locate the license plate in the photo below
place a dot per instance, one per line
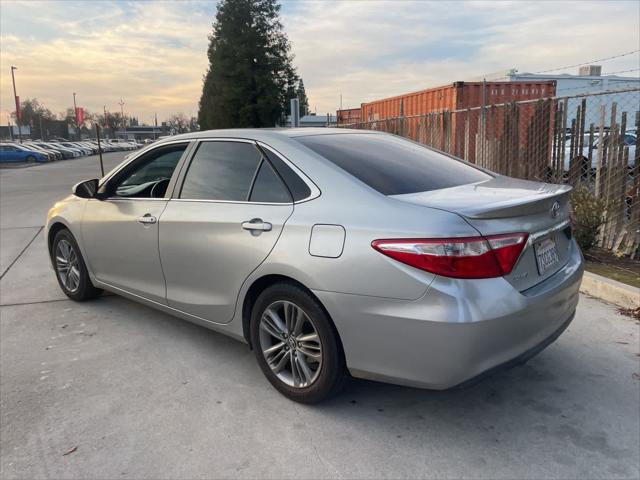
(546, 254)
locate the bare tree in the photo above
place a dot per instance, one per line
(178, 123)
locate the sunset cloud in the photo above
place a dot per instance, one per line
(153, 54)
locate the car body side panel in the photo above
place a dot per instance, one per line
(360, 269)
(68, 212)
(206, 254)
(121, 251)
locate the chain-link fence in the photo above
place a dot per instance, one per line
(589, 141)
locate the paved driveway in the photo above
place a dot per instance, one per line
(140, 394)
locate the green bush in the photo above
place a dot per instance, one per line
(586, 215)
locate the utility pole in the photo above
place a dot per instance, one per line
(124, 122)
(15, 97)
(295, 113)
(75, 112)
(9, 125)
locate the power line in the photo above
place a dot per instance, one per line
(621, 71)
(590, 62)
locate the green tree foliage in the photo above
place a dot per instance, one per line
(32, 111)
(250, 77)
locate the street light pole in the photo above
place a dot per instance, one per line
(75, 112)
(124, 122)
(15, 97)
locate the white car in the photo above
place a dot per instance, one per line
(629, 142)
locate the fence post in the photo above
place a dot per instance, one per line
(600, 152)
(99, 148)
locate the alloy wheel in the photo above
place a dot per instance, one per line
(290, 344)
(67, 266)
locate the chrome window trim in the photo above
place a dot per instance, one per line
(315, 190)
(196, 200)
(185, 155)
(131, 199)
(138, 154)
(183, 176)
(192, 146)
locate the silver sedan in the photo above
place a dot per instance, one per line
(331, 252)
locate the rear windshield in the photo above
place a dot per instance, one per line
(392, 165)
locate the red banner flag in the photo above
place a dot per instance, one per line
(80, 115)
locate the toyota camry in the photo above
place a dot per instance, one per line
(330, 252)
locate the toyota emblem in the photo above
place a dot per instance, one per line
(555, 210)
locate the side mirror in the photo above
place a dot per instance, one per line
(86, 189)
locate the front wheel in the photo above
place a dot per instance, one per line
(70, 268)
(296, 344)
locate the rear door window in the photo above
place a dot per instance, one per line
(392, 165)
(221, 171)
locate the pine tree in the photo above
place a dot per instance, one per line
(250, 67)
(302, 98)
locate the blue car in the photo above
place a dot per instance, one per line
(14, 153)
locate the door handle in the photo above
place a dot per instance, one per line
(147, 219)
(257, 225)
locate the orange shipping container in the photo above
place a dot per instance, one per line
(457, 96)
(348, 115)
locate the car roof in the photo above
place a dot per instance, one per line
(264, 134)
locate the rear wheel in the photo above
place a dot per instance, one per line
(296, 345)
(70, 268)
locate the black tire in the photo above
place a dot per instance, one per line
(333, 374)
(85, 289)
(31, 159)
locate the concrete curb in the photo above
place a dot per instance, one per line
(610, 291)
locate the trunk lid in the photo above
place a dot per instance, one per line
(507, 205)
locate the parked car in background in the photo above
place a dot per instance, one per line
(329, 251)
(31, 148)
(66, 152)
(84, 150)
(11, 153)
(92, 149)
(52, 154)
(629, 142)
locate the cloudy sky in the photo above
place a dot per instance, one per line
(153, 54)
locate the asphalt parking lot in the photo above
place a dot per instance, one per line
(127, 392)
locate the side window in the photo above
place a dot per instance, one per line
(298, 188)
(150, 176)
(221, 171)
(268, 188)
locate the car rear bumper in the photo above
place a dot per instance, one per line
(458, 330)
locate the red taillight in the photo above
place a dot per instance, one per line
(469, 257)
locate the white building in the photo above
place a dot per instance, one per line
(314, 120)
(589, 81)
